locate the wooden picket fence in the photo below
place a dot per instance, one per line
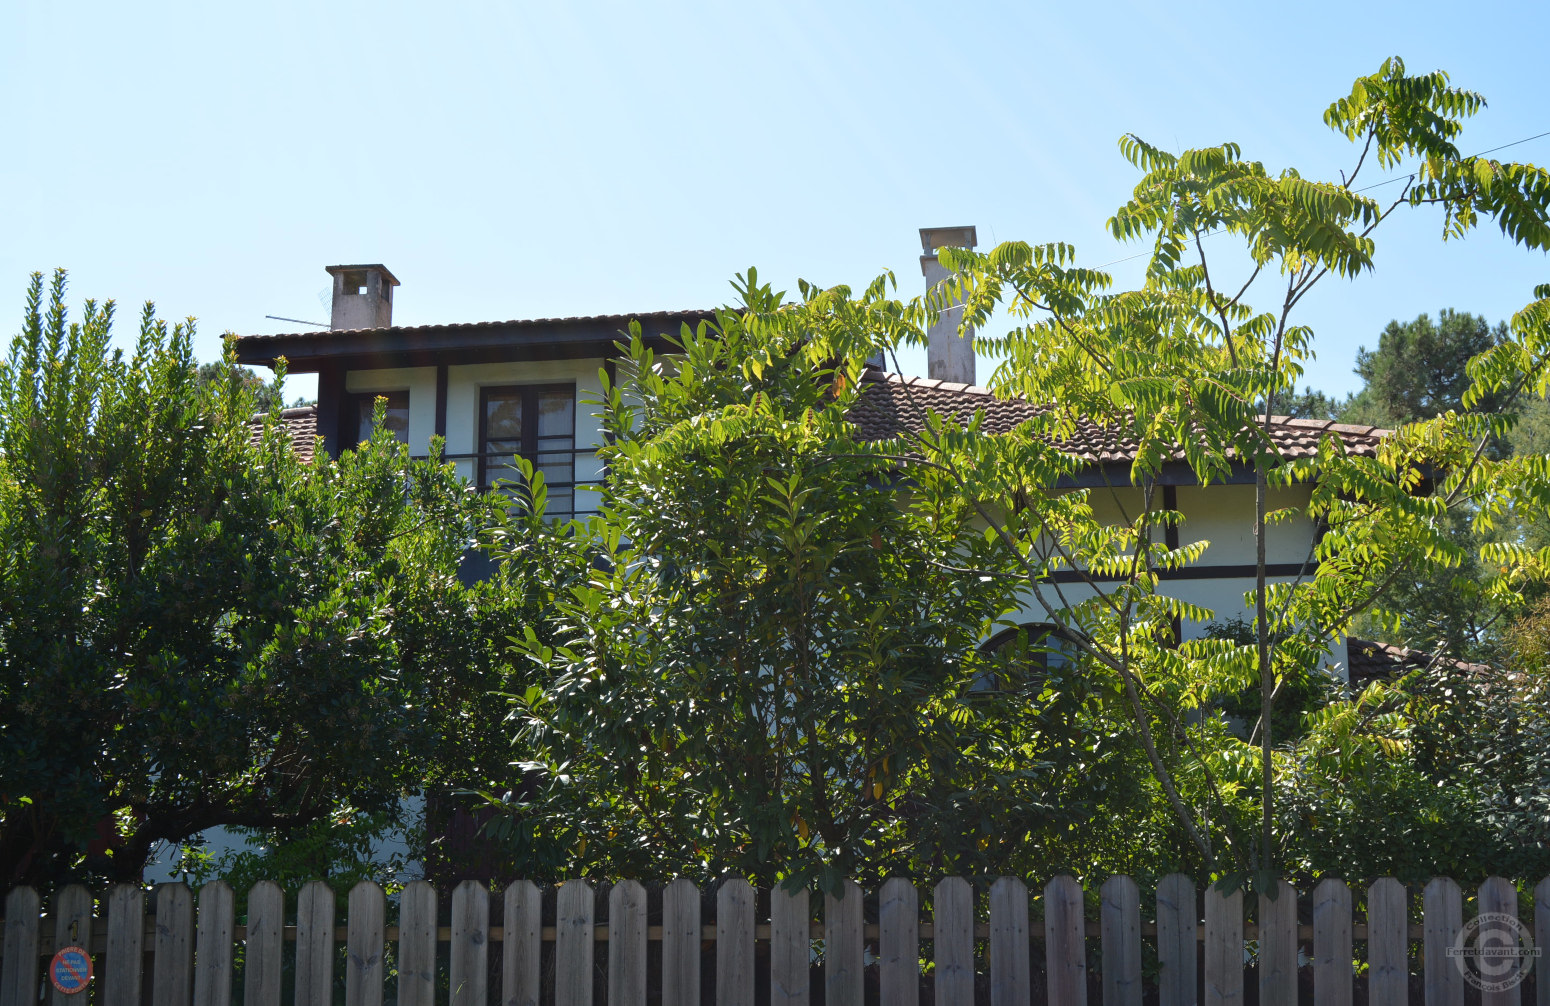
(1200, 940)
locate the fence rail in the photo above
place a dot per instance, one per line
(573, 947)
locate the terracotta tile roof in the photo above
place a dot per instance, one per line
(301, 426)
(1371, 661)
(892, 405)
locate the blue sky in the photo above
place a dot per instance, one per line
(518, 159)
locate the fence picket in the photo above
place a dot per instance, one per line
(1224, 947)
(898, 942)
(469, 970)
(1388, 944)
(791, 914)
(1176, 944)
(952, 941)
(1065, 944)
(417, 945)
(1121, 935)
(1442, 911)
(72, 911)
(126, 931)
(627, 944)
(1278, 947)
(1009, 968)
(1497, 895)
(19, 969)
(574, 929)
(843, 949)
(522, 949)
(315, 945)
(365, 942)
(734, 943)
(1542, 939)
(213, 945)
(194, 955)
(172, 981)
(1332, 975)
(681, 943)
(261, 959)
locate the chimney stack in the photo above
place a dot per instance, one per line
(363, 297)
(948, 357)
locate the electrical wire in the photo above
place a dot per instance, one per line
(1374, 185)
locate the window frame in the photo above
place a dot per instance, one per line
(1039, 652)
(530, 394)
(355, 399)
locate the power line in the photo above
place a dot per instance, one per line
(1374, 185)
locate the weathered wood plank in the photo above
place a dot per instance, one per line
(898, 942)
(734, 943)
(417, 945)
(315, 945)
(952, 941)
(213, 945)
(1332, 974)
(172, 979)
(1278, 946)
(627, 944)
(19, 975)
(469, 968)
(1065, 944)
(1224, 948)
(72, 913)
(1388, 944)
(121, 964)
(791, 945)
(1498, 896)
(1010, 983)
(365, 943)
(261, 958)
(1121, 934)
(844, 949)
(1176, 944)
(1442, 914)
(1542, 939)
(521, 952)
(575, 911)
(681, 944)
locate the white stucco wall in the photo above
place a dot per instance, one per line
(464, 382)
(1223, 516)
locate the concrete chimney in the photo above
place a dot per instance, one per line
(363, 296)
(948, 356)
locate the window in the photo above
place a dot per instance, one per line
(537, 422)
(1027, 654)
(396, 419)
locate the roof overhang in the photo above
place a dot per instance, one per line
(483, 342)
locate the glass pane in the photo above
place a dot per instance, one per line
(556, 414)
(503, 416)
(396, 418)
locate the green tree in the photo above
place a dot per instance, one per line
(197, 630)
(1420, 369)
(267, 396)
(1186, 370)
(1185, 366)
(768, 669)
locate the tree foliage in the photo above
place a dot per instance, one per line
(197, 628)
(1420, 369)
(768, 669)
(740, 662)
